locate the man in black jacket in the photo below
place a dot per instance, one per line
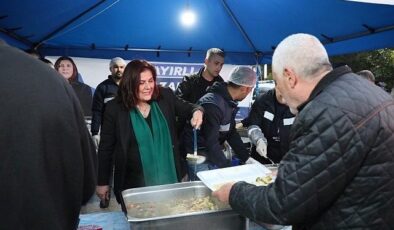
(47, 156)
(193, 87)
(105, 92)
(269, 124)
(339, 170)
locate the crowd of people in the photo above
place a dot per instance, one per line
(330, 131)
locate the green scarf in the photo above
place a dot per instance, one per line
(156, 152)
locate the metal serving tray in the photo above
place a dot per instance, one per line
(224, 218)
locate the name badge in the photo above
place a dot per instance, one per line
(269, 115)
(288, 121)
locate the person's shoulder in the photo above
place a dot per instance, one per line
(84, 86)
(166, 96)
(108, 81)
(103, 83)
(212, 98)
(81, 87)
(260, 98)
(165, 91)
(219, 78)
(100, 88)
(192, 77)
(265, 97)
(269, 94)
(212, 108)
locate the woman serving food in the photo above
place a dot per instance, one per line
(138, 137)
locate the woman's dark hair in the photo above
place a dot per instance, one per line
(75, 70)
(129, 85)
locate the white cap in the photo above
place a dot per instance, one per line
(244, 76)
(116, 60)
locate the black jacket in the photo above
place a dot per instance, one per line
(191, 89)
(84, 94)
(275, 120)
(339, 171)
(218, 126)
(105, 91)
(48, 161)
(119, 147)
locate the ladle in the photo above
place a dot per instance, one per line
(194, 158)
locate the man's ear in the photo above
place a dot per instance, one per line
(291, 77)
(206, 61)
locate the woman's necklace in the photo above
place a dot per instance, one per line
(144, 110)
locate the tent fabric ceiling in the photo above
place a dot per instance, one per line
(247, 30)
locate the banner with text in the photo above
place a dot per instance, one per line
(93, 71)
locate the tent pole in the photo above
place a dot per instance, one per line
(239, 26)
(17, 37)
(50, 35)
(144, 50)
(370, 31)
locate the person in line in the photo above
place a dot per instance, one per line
(67, 68)
(220, 107)
(138, 135)
(105, 92)
(48, 162)
(367, 75)
(269, 123)
(339, 170)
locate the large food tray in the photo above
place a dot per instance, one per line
(224, 218)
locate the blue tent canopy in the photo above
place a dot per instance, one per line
(248, 30)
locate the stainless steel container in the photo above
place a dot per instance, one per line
(224, 218)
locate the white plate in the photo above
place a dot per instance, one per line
(214, 179)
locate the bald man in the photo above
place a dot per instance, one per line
(339, 170)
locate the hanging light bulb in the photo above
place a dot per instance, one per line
(188, 17)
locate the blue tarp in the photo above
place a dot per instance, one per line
(247, 30)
